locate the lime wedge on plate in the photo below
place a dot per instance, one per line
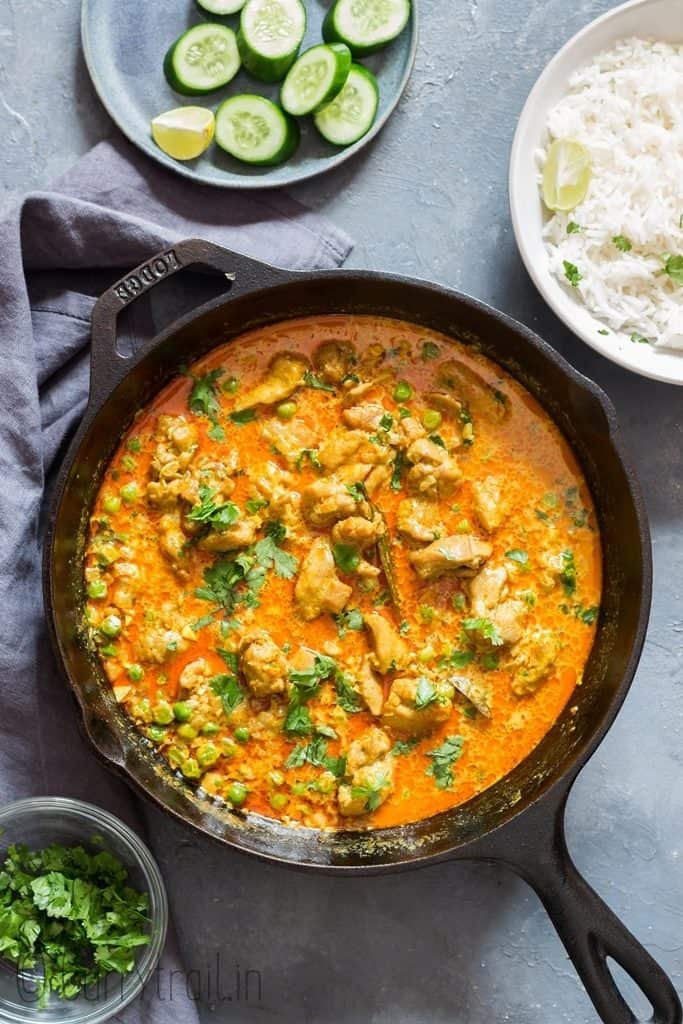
(566, 175)
(184, 133)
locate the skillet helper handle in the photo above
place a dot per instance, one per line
(591, 932)
(241, 272)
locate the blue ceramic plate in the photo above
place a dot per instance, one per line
(124, 42)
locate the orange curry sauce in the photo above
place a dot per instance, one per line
(151, 617)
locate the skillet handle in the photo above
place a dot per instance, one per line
(590, 931)
(241, 273)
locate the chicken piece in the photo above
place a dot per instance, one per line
(172, 540)
(176, 446)
(412, 430)
(369, 417)
(533, 658)
(240, 535)
(370, 688)
(283, 376)
(318, 588)
(277, 487)
(212, 474)
(334, 360)
(371, 770)
(327, 500)
(157, 643)
(377, 478)
(391, 651)
(461, 555)
(445, 403)
(289, 439)
(344, 446)
(419, 520)
(488, 502)
(371, 745)
(416, 706)
(480, 397)
(263, 664)
(488, 590)
(358, 531)
(434, 472)
(195, 674)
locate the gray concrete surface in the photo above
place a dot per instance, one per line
(463, 944)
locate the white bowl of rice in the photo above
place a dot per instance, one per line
(612, 267)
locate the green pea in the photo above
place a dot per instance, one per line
(130, 492)
(176, 756)
(242, 734)
(182, 711)
(187, 732)
(426, 654)
(111, 505)
(111, 626)
(109, 651)
(207, 755)
(403, 391)
(162, 713)
(190, 768)
(231, 385)
(277, 778)
(237, 793)
(286, 410)
(97, 589)
(278, 801)
(228, 748)
(431, 419)
(135, 673)
(298, 788)
(156, 733)
(210, 729)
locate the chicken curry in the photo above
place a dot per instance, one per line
(343, 572)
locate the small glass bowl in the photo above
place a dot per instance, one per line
(40, 822)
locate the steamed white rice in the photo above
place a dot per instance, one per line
(626, 107)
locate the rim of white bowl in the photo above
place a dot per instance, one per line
(551, 291)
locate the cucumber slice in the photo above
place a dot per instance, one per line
(221, 8)
(349, 116)
(315, 78)
(255, 130)
(270, 35)
(365, 25)
(203, 59)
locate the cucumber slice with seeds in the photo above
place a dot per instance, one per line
(270, 35)
(255, 130)
(365, 25)
(350, 115)
(221, 8)
(203, 59)
(315, 78)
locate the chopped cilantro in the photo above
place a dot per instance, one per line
(311, 381)
(443, 759)
(401, 747)
(346, 620)
(573, 228)
(518, 555)
(312, 455)
(347, 698)
(425, 694)
(203, 401)
(372, 795)
(71, 912)
(438, 440)
(399, 465)
(229, 690)
(673, 266)
(429, 350)
(456, 659)
(485, 629)
(254, 505)
(229, 657)
(243, 416)
(357, 491)
(386, 422)
(217, 517)
(489, 661)
(270, 556)
(639, 339)
(568, 573)
(603, 331)
(346, 557)
(204, 620)
(572, 273)
(622, 243)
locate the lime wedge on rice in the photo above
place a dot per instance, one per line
(566, 175)
(184, 133)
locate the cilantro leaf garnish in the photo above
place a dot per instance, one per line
(572, 273)
(349, 620)
(622, 243)
(485, 629)
(398, 468)
(568, 573)
(371, 794)
(311, 381)
(217, 517)
(231, 694)
(270, 556)
(203, 401)
(673, 266)
(443, 759)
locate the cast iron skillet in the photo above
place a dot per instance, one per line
(520, 820)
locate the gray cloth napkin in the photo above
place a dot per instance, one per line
(111, 211)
